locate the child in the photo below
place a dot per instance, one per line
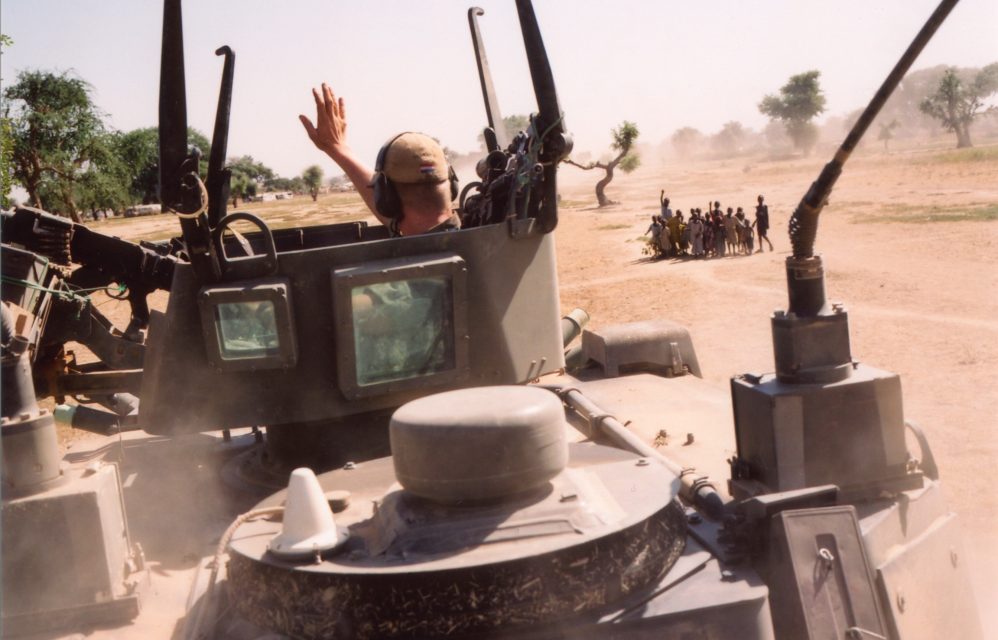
(748, 237)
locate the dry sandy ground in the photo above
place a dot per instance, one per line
(910, 243)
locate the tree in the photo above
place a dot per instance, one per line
(247, 175)
(239, 185)
(799, 101)
(728, 140)
(887, 132)
(105, 185)
(956, 104)
(312, 177)
(6, 168)
(623, 141)
(686, 141)
(55, 130)
(256, 171)
(6, 146)
(512, 124)
(139, 151)
(285, 184)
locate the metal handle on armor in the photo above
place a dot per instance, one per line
(247, 266)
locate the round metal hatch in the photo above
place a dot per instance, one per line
(605, 527)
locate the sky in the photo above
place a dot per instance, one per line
(410, 66)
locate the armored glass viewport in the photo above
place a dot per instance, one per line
(249, 326)
(247, 330)
(401, 324)
(403, 329)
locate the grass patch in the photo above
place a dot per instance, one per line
(973, 154)
(920, 214)
(274, 222)
(279, 214)
(612, 227)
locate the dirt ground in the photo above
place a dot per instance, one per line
(910, 244)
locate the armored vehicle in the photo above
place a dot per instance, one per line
(271, 463)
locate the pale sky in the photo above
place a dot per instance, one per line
(409, 65)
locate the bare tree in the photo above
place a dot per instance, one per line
(623, 143)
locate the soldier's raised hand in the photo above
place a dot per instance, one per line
(329, 133)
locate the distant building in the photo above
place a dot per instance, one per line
(143, 210)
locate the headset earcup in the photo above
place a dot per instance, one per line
(386, 199)
(452, 176)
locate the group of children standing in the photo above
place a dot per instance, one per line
(705, 235)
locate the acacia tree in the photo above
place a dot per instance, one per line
(138, 150)
(312, 177)
(798, 102)
(247, 175)
(239, 185)
(887, 132)
(256, 171)
(105, 184)
(686, 141)
(956, 104)
(623, 143)
(56, 131)
(729, 139)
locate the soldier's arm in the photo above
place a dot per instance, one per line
(329, 134)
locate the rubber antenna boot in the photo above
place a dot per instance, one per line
(309, 529)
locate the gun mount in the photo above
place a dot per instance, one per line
(471, 477)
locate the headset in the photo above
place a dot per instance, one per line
(386, 197)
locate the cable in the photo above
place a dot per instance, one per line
(69, 294)
(204, 202)
(220, 550)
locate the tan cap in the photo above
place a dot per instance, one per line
(413, 158)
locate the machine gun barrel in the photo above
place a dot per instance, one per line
(172, 106)
(804, 222)
(218, 175)
(485, 76)
(549, 124)
(180, 186)
(114, 259)
(540, 67)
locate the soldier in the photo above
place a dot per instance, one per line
(761, 224)
(411, 188)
